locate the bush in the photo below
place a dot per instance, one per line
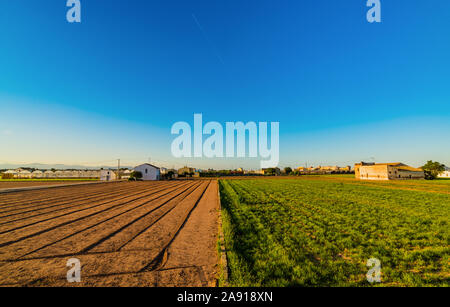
(287, 170)
(135, 176)
(432, 169)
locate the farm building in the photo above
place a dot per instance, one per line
(49, 174)
(329, 168)
(387, 171)
(107, 175)
(83, 174)
(345, 169)
(68, 174)
(11, 172)
(24, 174)
(186, 171)
(37, 174)
(89, 174)
(149, 172)
(125, 174)
(445, 174)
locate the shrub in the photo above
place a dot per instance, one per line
(136, 175)
(433, 169)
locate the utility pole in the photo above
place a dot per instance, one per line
(118, 169)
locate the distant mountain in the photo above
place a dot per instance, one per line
(58, 166)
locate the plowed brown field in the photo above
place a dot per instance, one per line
(124, 234)
(4, 185)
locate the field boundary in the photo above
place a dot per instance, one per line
(43, 187)
(223, 266)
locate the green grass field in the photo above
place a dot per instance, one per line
(321, 231)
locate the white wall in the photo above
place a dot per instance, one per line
(148, 172)
(107, 175)
(445, 174)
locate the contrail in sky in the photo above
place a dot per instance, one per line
(207, 39)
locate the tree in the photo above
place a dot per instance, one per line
(287, 170)
(432, 169)
(136, 175)
(272, 171)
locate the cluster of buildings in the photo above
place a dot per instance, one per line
(107, 175)
(187, 171)
(374, 171)
(148, 171)
(387, 171)
(38, 174)
(324, 169)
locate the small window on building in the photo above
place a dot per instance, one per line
(146, 170)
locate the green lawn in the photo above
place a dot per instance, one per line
(322, 231)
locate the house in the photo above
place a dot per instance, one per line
(126, 174)
(107, 175)
(387, 171)
(445, 174)
(149, 172)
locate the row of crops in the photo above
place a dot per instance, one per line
(293, 232)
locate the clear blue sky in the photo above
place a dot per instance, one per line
(342, 89)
